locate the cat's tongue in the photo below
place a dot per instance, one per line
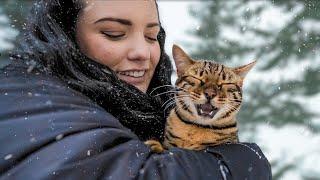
(207, 110)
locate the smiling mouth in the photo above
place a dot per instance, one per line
(206, 110)
(135, 74)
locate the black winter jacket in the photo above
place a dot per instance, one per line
(49, 131)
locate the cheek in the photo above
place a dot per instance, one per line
(223, 94)
(104, 54)
(155, 55)
(98, 49)
(196, 90)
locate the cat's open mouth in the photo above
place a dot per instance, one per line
(206, 110)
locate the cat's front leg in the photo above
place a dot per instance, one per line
(155, 146)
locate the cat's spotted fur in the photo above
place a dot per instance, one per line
(208, 97)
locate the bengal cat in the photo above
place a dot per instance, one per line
(208, 97)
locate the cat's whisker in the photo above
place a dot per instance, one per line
(173, 100)
(180, 88)
(168, 105)
(185, 95)
(161, 87)
(168, 101)
(187, 105)
(177, 98)
(165, 93)
(229, 108)
(177, 91)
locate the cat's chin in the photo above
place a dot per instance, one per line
(206, 110)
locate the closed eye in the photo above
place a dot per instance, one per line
(201, 81)
(232, 90)
(113, 36)
(190, 82)
(152, 39)
(231, 87)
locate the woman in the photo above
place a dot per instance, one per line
(75, 100)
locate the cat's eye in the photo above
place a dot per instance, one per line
(230, 87)
(232, 90)
(202, 83)
(189, 80)
(191, 83)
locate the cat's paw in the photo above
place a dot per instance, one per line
(155, 146)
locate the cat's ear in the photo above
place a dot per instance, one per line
(181, 59)
(242, 71)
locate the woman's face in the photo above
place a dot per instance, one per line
(123, 36)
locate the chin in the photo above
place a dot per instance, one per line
(142, 88)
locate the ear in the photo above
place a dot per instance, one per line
(181, 59)
(242, 71)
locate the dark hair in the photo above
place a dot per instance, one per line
(49, 39)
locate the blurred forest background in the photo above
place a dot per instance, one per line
(282, 94)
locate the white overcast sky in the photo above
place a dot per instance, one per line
(175, 19)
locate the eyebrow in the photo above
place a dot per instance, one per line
(150, 25)
(123, 21)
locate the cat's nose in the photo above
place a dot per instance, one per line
(210, 93)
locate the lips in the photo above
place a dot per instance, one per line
(134, 73)
(206, 110)
(133, 77)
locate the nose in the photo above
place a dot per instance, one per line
(139, 50)
(210, 93)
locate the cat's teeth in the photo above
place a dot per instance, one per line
(201, 111)
(211, 113)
